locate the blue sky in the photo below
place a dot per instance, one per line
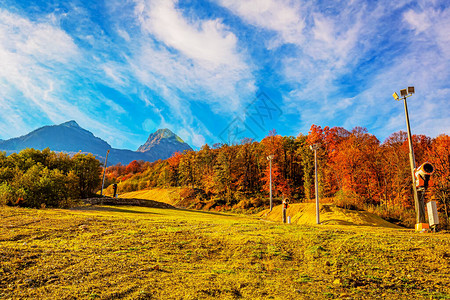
(215, 70)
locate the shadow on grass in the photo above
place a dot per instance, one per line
(368, 224)
(337, 222)
(113, 209)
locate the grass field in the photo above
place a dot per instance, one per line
(147, 253)
(300, 213)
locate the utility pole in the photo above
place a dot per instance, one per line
(104, 172)
(269, 158)
(419, 205)
(315, 147)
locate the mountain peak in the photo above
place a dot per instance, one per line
(164, 133)
(71, 123)
(164, 139)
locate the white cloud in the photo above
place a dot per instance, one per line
(186, 61)
(123, 34)
(39, 65)
(207, 42)
(335, 44)
(431, 26)
(418, 21)
(114, 106)
(283, 17)
(42, 41)
(115, 72)
(29, 54)
(207, 57)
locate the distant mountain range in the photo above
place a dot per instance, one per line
(70, 138)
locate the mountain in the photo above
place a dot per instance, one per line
(70, 138)
(66, 137)
(165, 143)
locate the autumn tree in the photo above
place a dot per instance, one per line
(439, 155)
(133, 167)
(173, 168)
(187, 169)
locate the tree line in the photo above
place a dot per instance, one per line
(356, 170)
(34, 178)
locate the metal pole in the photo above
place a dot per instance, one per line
(316, 183)
(270, 175)
(104, 172)
(419, 205)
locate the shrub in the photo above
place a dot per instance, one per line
(36, 178)
(347, 200)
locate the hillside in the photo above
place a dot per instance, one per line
(166, 195)
(305, 214)
(119, 252)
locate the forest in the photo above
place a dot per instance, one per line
(355, 170)
(34, 178)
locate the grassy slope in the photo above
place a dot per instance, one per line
(166, 195)
(303, 213)
(144, 253)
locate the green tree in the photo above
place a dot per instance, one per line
(88, 170)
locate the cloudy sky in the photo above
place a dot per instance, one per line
(215, 70)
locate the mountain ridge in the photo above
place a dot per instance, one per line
(70, 137)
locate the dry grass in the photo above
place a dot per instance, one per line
(330, 214)
(147, 253)
(166, 195)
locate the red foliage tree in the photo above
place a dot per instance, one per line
(133, 167)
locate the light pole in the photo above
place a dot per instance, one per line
(104, 171)
(269, 158)
(419, 205)
(315, 147)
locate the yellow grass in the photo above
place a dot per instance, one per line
(305, 213)
(166, 195)
(146, 253)
(301, 213)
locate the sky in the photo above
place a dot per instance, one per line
(220, 70)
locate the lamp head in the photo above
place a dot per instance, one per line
(403, 93)
(314, 147)
(395, 96)
(410, 90)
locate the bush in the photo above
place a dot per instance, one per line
(398, 215)
(44, 179)
(347, 200)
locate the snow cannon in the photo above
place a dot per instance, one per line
(423, 174)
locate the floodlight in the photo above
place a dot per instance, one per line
(425, 170)
(314, 147)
